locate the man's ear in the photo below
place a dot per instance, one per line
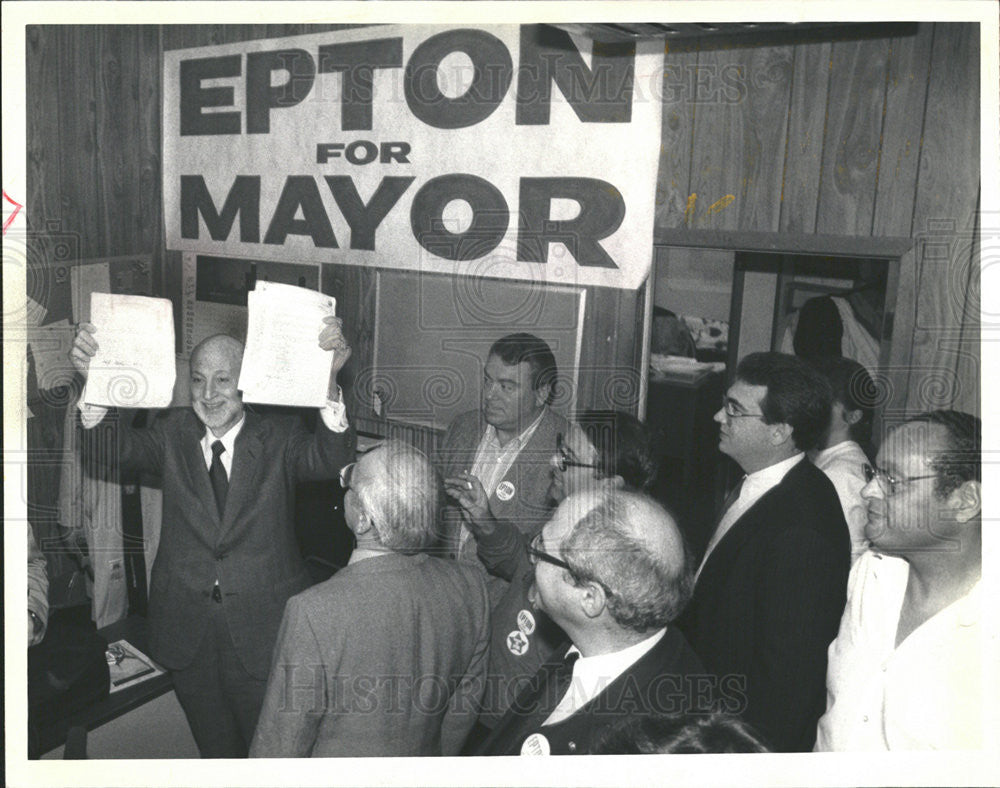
(364, 523)
(966, 501)
(780, 433)
(593, 599)
(542, 394)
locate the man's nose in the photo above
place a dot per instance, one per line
(209, 389)
(872, 490)
(720, 416)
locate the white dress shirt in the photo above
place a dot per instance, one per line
(754, 487)
(842, 465)
(924, 694)
(592, 675)
(493, 460)
(228, 440)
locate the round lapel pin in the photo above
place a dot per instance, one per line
(536, 744)
(505, 490)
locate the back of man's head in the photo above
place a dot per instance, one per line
(797, 394)
(631, 545)
(402, 496)
(852, 386)
(522, 347)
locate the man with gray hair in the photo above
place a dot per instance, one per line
(611, 570)
(389, 656)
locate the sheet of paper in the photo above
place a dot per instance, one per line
(85, 280)
(50, 346)
(283, 363)
(134, 364)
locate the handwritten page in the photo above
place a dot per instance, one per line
(283, 363)
(134, 364)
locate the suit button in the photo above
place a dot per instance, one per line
(571, 746)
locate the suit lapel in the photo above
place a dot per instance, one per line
(247, 452)
(194, 460)
(750, 521)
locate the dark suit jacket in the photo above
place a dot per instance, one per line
(669, 679)
(387, 657)
(768, 603)
(251, 549)
(530, 474)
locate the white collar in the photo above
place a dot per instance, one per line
(770, 476)
(521, 439)
(228, 438)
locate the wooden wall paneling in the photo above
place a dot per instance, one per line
(968, 368)
(768, 86)
(853, 130)
(893, 378)
(148, 143)
(718, 166)
(905, 103)
(181, 36)
(130, 140)
(609, 373)
(806, 132)
(42, 123)
(674, 177)
(114, 214)
(77, 136)
(173, 36)
(944, 213)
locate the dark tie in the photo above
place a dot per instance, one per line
(715, 538)
(733, 497)
(217, 473)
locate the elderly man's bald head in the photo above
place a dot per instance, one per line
(219, 345)
(630, 544)
(215, 372)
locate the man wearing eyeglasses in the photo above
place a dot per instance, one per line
(771, 587)
(228, 559)
(389, 656)
(906, 668)
(611, 570)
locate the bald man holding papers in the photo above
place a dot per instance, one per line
(228, 559)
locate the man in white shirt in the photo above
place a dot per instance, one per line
(905, 671)
(228, 559)
(611, 570)
(840, 453)
(771, 588)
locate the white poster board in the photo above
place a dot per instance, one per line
(506, 151)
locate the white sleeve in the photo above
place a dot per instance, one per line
(334, 413)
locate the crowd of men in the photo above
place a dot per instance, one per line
(523, 593)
